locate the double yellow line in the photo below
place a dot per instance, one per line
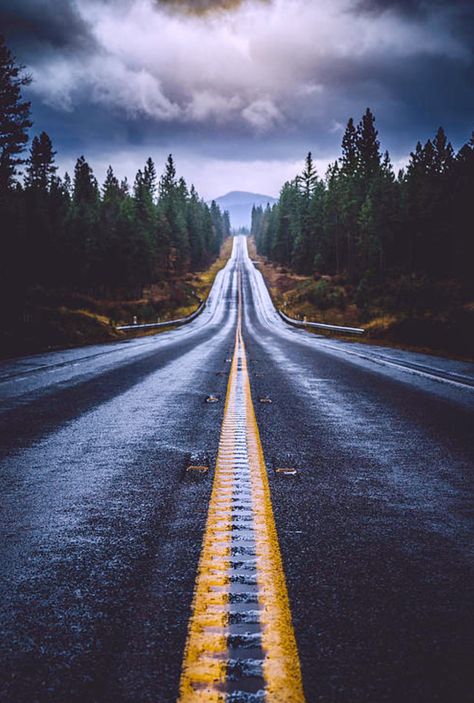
(241, 644)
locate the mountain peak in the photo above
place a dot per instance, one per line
(239, 204)
(244, 196)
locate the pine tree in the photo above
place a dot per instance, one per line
(41, 220)
(173, 213)
(145, 218)
(14, 124)
(217, 228)
(14, 116)
(309, 178)
(368, 147)
(256, 229)
(332, 222)
(85, 187)
(386, 196)
(349, 198)
(41, 167)
(111, 187)
(195, 226)
(110, 226)
(67, 185)
(350, 150)
(124, 187)
(284, 225)
(460, 215)
(443, 152)
(83, 239)
(168, 182)
(305, 241)
(149, 177)
(226, 223)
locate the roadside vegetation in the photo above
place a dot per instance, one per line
(63, 320)
(363, 246)
(77, 257)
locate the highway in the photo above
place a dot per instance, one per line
(356, 559)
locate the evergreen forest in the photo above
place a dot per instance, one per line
(404, 239)
(74, 235)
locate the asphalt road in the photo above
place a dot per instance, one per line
(101, 528)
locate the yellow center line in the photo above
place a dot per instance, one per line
(241, 640)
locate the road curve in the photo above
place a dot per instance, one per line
(102, 527)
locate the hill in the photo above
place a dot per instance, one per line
(239, 205)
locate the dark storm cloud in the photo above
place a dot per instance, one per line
(410, 98)
(423, 7)
(458, 14)
(250, 80)
(31, 24)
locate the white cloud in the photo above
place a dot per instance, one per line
(137, 91)
(249, 66)
(262, 114)
(205, 104)
(55, 81)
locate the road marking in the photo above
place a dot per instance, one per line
(433, 374)
(286, 471)
(198, 469)
(241, 644)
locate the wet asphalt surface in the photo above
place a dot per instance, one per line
(101, 528)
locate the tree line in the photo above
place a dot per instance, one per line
(366, 223)
(76, 235)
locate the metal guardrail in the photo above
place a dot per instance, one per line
(320, 325)
(167, 323)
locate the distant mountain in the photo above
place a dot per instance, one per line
(239, 204)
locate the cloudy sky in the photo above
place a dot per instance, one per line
(240, 91)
